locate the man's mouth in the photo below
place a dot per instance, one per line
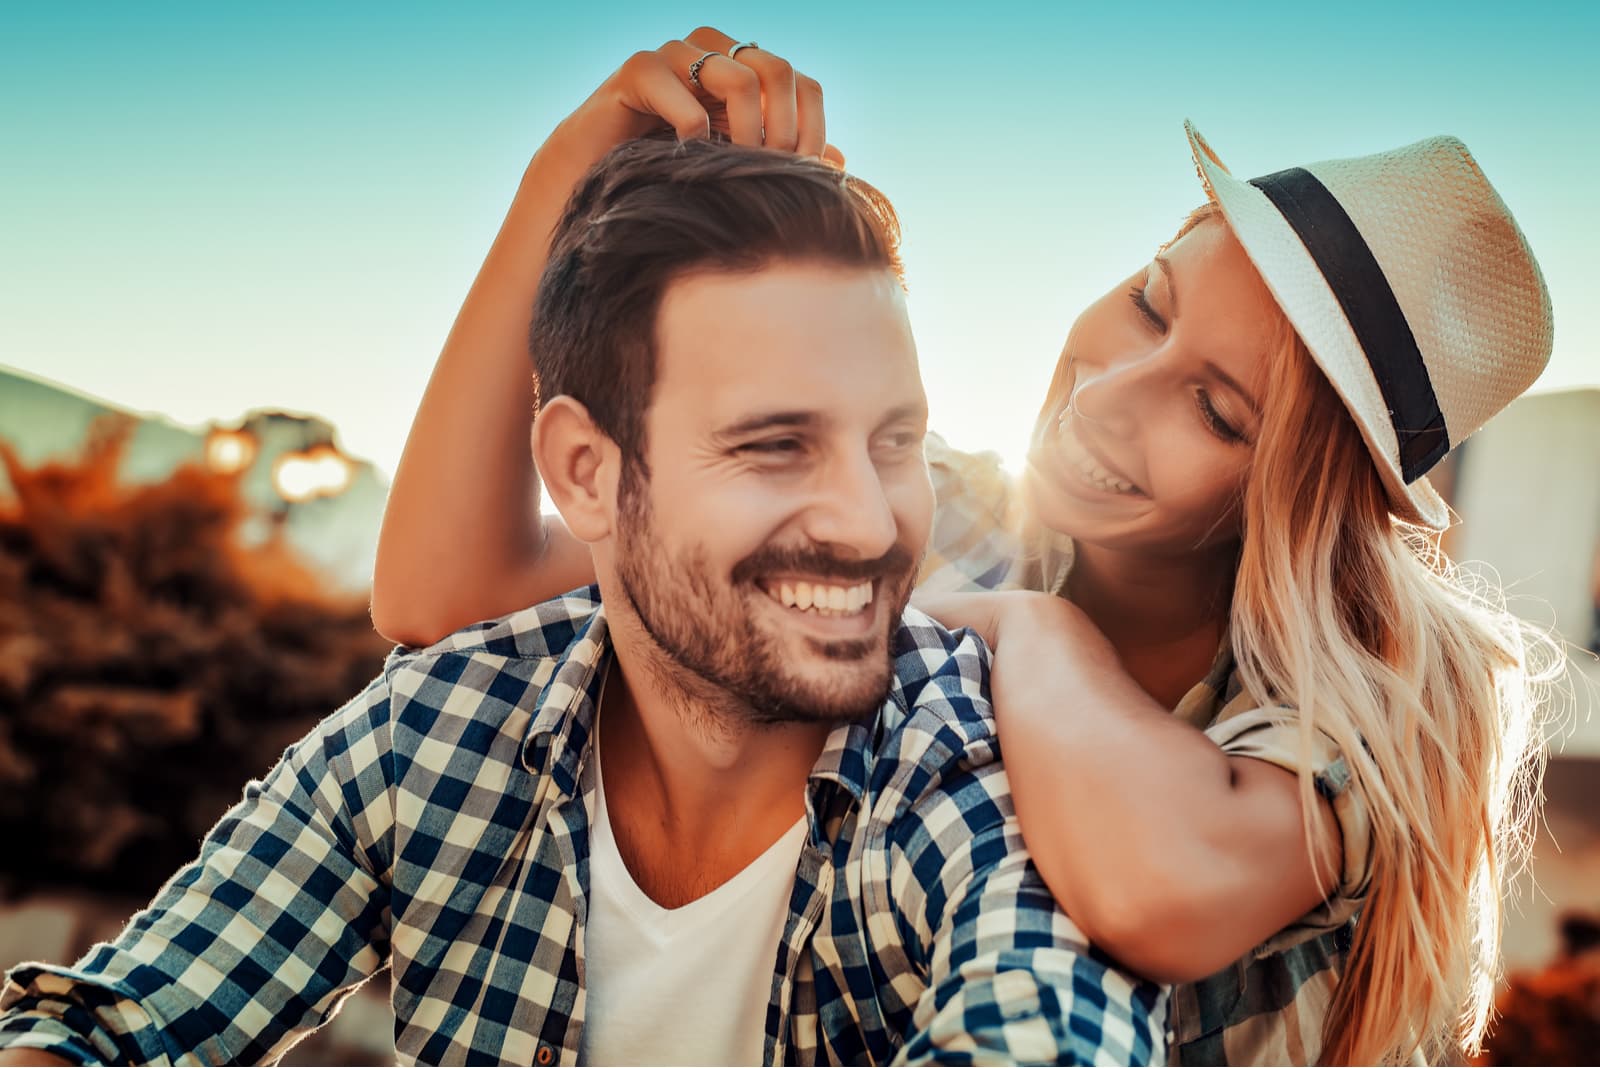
(822, 599)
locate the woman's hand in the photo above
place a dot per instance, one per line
(994, 614)
(454, 550)
(754, 98)
(1171, 855)
(979, 612)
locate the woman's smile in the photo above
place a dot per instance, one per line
(1086, 462)
(1076, 469)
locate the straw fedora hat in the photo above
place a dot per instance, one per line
(1411, 285)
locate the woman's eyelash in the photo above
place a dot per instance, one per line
(1142, 304)
(1214, 420)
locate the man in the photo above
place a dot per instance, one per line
(725, 807)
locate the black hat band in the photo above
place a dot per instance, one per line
(1369, 304)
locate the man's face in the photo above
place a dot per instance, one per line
(773, 546)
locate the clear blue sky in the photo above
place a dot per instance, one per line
(206, 208)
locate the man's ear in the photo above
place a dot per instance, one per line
(579, 465)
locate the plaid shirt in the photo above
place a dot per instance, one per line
(439, 823)
(1269, 1006)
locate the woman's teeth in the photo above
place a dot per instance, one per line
(1089, 469)
(821, 599)
(1100, 478)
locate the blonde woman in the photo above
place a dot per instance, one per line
(1264, 743)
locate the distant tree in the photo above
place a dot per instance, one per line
(151, 663)
(1552, 1016)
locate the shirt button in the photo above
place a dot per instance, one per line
(545, 1055)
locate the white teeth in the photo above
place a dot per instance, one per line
(824, 600)
(1088, 467)
(1098, 476)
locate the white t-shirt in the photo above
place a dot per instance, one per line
(688, 985)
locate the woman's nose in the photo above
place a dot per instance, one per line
(1112, 395)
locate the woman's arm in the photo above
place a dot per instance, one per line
(1172, 856)
(32, 1058)
(462, 536)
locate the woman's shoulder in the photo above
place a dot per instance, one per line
(974, 542)
(974, 477)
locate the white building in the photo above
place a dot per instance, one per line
(1527, 488)
(1528, 492)
(334, 525)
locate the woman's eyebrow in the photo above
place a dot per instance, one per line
(1172, 289)
(1233, 383)
(1216, 372)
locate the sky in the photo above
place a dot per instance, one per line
(208, 208)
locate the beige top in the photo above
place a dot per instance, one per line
(1269, 1006)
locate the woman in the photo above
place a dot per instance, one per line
(1243, 697)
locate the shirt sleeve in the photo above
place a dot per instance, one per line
(255, 942)
(1009, 978)
(1274, 735)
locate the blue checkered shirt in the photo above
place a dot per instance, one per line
(438, 823)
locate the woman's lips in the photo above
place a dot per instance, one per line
(1085, 466)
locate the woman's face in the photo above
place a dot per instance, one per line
(1148, 447)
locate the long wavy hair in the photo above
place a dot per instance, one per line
(1434, 692)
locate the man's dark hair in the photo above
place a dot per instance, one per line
(653, 210)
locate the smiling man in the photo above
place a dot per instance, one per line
(733, 804)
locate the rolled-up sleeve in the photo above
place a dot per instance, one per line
(257, 940)
(1274, 735)
(1007, 977)
(1011, 980)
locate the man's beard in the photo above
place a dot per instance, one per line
(709, 633)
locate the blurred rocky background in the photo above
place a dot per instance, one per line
(178, 604)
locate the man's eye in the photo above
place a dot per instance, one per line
(773, 446)
(903, 439)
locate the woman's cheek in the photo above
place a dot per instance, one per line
(1200, 491)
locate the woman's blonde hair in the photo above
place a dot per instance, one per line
(1432, 690)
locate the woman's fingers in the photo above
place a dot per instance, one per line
(779, 82)
(812, 128)
(735, 85)
(979, 611)
(778, 104)
(791, 106)
(649, 85)
(756, 96)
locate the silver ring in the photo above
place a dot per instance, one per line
(742, 44)
(694, 68)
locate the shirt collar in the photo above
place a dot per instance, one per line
(1206, 698)
(564, 719)
(839, 778)
(564, 712)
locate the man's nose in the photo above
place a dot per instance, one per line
(851, 510)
